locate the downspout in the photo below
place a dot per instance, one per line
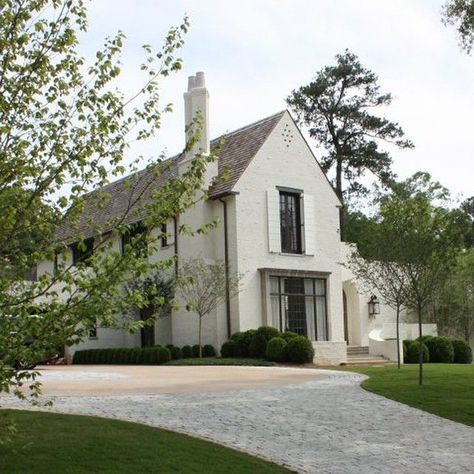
(175, 230)
(226, 262)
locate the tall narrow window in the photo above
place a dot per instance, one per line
(135, 239)
(81, 251)
(290, 222)
(164, 235)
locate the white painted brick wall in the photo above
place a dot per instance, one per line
(292, 165)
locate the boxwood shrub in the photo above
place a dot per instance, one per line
(268, 332)
(300, 350)
(187, 352)
(440, 349)
(287, 335)
(208, 351)
(228, 348)
(78, 357)
(195, 350)
(258, 346)
(462, 352)
(413, 351)
(176, 352)
(163, 354)
(276, 350)
(242, 342)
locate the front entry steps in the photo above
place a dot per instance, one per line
(359, 355)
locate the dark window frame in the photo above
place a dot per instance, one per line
(291, 222)
(133, 231)
(79, 255)
(281, 294)
(93, 333)
(164, 235)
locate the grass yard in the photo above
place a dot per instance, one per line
(48, 443)
(448, 389)
(221, 361)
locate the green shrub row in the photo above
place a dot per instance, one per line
(270, 344)
(438, 350)
(140, 355)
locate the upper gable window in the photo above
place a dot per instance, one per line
(290, 222)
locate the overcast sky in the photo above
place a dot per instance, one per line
(254, 52)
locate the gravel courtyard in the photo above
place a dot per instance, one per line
(327, 424)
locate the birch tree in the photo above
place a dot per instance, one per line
(65, 129)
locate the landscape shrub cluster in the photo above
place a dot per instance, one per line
(438, 350)
(140, 355)
(270, 344)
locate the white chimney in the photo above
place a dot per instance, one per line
(196, 100)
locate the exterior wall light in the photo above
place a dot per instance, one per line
(374, 306)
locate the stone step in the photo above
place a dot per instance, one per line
(357, 349)
(366, 361)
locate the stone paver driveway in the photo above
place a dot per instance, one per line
(328, 425)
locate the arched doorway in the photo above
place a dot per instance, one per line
(354, 327)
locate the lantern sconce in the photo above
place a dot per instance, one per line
(374, 306)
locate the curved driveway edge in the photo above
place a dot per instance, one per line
(328, 425)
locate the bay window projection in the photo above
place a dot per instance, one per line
(299, 305)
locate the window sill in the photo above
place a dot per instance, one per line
(285, 254)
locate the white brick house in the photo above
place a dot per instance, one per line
(280, 231)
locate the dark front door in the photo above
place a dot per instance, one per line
(295, 306)
(148, 331)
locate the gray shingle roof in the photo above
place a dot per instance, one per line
(125, 200)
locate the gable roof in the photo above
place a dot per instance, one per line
(125, 200)
(238, 149)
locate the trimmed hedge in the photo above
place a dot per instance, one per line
(258, 346)
(462, 352)
(228, 348)
(130, 356)
(300, 350)
(208, 351)
(268, 332)
(187, 352)
(413, 351)
(441, 350)
(176, 352)
(195, 350)
(276, 350)
(162, 354)
(242, 342)
(287, 335)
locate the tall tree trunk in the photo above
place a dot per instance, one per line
(342, 209)
(200, 328)
(398, 336)
(420, 353)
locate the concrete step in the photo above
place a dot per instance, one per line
(357, 350)
(366, 361)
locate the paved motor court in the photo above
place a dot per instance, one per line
(313, 421)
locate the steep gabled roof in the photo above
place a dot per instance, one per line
(125, 200)
(239, 148)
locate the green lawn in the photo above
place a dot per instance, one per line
(448, 389)
(221, 361)
(48, 443)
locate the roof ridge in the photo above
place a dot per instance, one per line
(177, 155)
(251, 125)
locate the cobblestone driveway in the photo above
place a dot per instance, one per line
(324, 426)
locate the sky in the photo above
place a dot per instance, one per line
(255, 52)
